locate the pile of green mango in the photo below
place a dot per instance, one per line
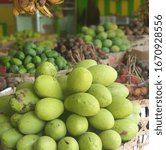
(106, 36)
(82, 110)
(28, 57)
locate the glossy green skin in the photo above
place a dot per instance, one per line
(103, 74)
(79, 75)
(26, 142)
(103, 120)
(10, 137)
(101, 93)
(45, 143)
(30, 123)
(120, 108)
(68, 143)
(126, 128)
(76, 124)
(83, 104)
(55, 129)
(90, 141)
(110, 139)
(86, 63)
(49, 108)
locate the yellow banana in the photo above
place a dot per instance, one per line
(55, 2)
(28, 6)
(43, 9)
(16, 8)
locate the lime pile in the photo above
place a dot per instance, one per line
(106, 36)
(83, 110)
(28, 58)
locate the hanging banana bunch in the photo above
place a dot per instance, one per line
(30, 6)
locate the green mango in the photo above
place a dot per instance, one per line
(14, 119)
(55, 129)
(110, 139)
(86, 63)
(49, 108)
(25, 84)
(10, 137)
(3, 118)
(24, 100)
(4, 127)
(83, 104)
(16, 61)
(101, 93)
(45, 143)
(29, 123)
(27, 142)
(68, 143)
(103, 120)
(76, 124)
(90, 141)
(103, 74)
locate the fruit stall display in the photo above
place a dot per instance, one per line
(74, 49)
(106, 36)
(135, 74)
(55, 112)
(28, 56)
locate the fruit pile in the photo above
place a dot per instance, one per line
(108, 37)
(29, 56)
(22, 35)
(135, 74)
(30, 6)
(75, 49)
(55, 112)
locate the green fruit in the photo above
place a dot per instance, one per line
(90, 141)
(55, 129)
(111, 34)
(27, 60)
(26, 142)
(103, 120)
(117, 41)
(16, 61)
(134, 117)
(106, 49)
(30, 52)
(37, 60)
(114, 27)
(46, 68)
(90, 32)
(120, 108)
(5, 108)
(22, 71)
(4, 127)
(108, 25)
(39, 49)
(118, 90)
(68, 143)
(25, 84)
(3, 118)
(79, 75)
(8, 65)
(62, 79)
(97, 43)
(32, 71)
(136, 107)
(50, 54)
(119, 33)
(10, 137)
(30, 66)
(47, 86)
(99, 29)
(107, 43)
(76, 124)
(14, 69)
(102, 36)
(14, 119)
(59, 62)
(30, 124)
(20, 55)
(49, 108)
(83, 104)
(110, 139)
(12, 53)
(4, 59)
(24, 100)
(101, 93)
(43, 57)
(103, 74)
(126, 128)
(45, 143)
(86, 63)
(87, 38)
(84, 28)
(115, 48)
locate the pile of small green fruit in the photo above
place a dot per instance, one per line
(29, 56)
(108, 37)
(83, 110)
